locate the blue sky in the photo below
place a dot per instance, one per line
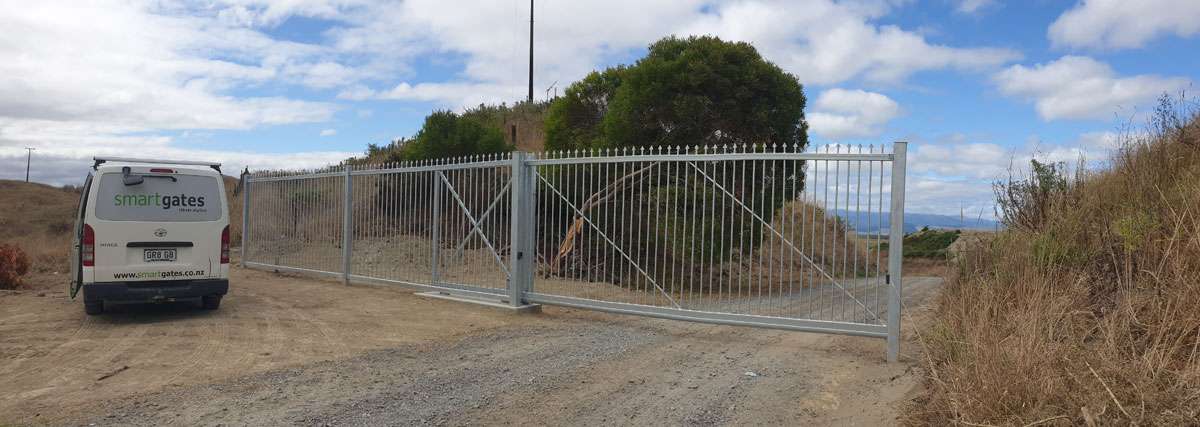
(974, 85)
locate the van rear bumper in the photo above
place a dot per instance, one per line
(158, 290)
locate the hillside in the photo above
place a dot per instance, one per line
(38, 218)
(1083, 310)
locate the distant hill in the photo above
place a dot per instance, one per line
(914, 221)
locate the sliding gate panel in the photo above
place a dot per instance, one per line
(765, 236)
(754, 236)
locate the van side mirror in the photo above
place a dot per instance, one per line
(130, 179)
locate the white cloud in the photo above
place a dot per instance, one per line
(957, 172)
(65, 151)
(978, 160)
(949, 196)
(328, 132)
(1099, 140)
(841, 113)
(973, 6)
(96, 62)
(821, 42)
(1124, 23)
(453, 94)
(110, 76)
(1077, 87)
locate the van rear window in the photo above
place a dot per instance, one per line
(159, 198)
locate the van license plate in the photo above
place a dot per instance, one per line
(159, 255)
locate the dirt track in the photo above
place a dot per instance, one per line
(285, 350)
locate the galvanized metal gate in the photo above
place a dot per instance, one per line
(759, 236)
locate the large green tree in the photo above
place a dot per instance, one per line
(696, 91)
(685, 92)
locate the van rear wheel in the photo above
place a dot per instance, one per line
(93, 308)
(211, 302)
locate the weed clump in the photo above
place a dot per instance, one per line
(13, 264)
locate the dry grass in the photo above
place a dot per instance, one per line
(1088, 314)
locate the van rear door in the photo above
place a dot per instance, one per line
(164, 226)
(77, 238)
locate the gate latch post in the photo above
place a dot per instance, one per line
(521, 231)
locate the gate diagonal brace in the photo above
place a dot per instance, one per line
(476, 227)
(610, 241)
(467, 212)
(784, 239)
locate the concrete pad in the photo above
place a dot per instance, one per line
(497, 302)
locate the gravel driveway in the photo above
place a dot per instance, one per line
(413, 361)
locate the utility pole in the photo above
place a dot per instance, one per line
(28, 157)
(530, 98)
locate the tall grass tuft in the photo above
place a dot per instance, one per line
(1086, 309)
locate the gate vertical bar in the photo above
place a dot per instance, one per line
(521, 232)
(347, 225)
(436, 231)
(245, 214)
(896, 251)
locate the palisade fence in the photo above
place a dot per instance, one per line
(765, 236)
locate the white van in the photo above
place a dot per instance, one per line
(151, 231)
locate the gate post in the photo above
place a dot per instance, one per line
(245, 213)
(896, 251)
(436, 231)
(521, 231)
(347, 225)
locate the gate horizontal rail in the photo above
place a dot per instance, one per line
(716, 318)
(761, 236)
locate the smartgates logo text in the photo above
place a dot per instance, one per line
(166, 201)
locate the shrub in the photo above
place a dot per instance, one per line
(1024, 202)
(13, 264)
(929, 243)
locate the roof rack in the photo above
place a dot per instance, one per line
(101, 160)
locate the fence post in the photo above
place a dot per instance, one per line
(436, 232)
(521, 230)
(896, 251)
(347, 225)
(245, 214)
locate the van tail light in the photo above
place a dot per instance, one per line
(87, 248)
(225, 245)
